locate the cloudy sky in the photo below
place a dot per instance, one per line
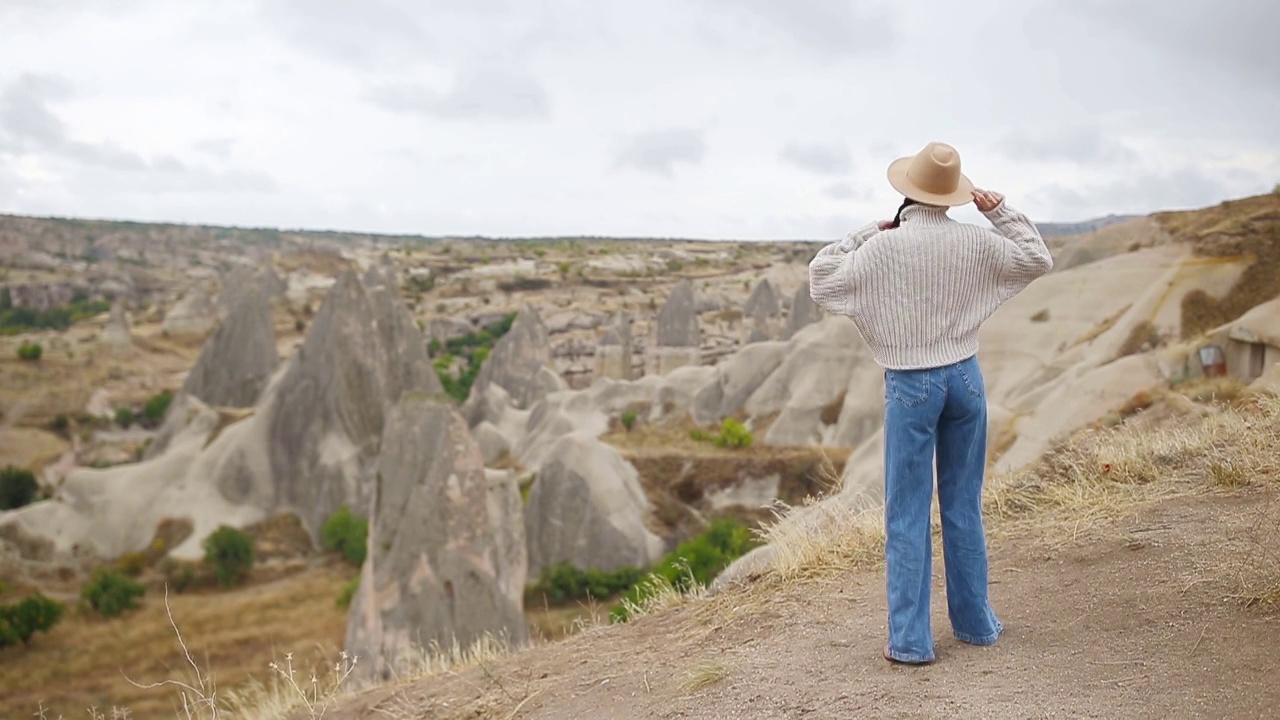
(690, 118)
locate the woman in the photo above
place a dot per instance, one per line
(918, 287)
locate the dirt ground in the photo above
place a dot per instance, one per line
(1135, 618)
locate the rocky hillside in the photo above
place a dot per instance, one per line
(501, 414)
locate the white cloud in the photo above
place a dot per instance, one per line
(819, 158)
(659, 151)
(669, 117)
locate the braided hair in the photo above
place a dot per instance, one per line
(897, 218)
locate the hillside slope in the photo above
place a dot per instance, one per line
(1128, 622)
(1134, 569)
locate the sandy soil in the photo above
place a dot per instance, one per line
(1134, 619)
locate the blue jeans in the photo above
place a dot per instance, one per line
(944, 410)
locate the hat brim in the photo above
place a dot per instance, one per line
(898, 179)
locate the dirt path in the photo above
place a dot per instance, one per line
(1134, 620)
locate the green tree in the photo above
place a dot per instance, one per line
(30, 352)
(698, 560)
(21, 620)
(110, 593)
(18, 487)
(230, 552)
(125, 417)
(347, 534)
(155, 409)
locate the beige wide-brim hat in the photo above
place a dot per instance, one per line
(932, 176)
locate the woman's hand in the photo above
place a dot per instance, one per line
(986, 200)
(885, 224)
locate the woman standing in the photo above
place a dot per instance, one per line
(918, 287)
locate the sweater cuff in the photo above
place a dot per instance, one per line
(1001, 212)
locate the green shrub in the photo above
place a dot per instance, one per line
(348, 592)
(563, 583)
(125, 417)
(628, 419)
(156, 408)
(23, 619)
(179, 575)
(473, 348)
(347, 534)
(698, 560)
(60, 424)
(16, 320)
(732, 434)
(230, 553)
(132, 563)
(109, 593)
(30, 351)
(18, 487)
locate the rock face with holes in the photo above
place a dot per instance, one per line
(446, 556)
(238, 360)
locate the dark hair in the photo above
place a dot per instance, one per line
(897, 219)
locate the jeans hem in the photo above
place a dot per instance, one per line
(909, 658)
(982, 640)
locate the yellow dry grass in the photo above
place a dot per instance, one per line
(703, 674)
(83, 662)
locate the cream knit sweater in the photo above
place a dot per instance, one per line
(918, 293)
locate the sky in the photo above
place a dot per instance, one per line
(732, 119)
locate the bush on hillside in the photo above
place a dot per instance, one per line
(16, 320)
(732, 434)
(156, 408)
(471, 350)
(18, 487)
(125, 417)
(230, 553)
(110, 593)
(30, 352)
(23, 619)
(347, 534)
(698, 560)
(348, 593)
(563, 583)
(628, 419)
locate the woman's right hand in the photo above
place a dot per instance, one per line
(986, 200)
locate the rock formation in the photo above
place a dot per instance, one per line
(677, 337)
(804, 312)
(763, 304)
(264, 280)
(587, 508)
(613, 353)
(238, 359)
(446, 559)
(326, 416)
(677, 324)
(116, 333)
(520, 364)
(194, 314)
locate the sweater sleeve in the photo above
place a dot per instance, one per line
(830, 270)
(1026, 256)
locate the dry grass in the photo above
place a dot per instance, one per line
(1224, 391)
(1097, 330)
(83, 661)
(703, 674)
